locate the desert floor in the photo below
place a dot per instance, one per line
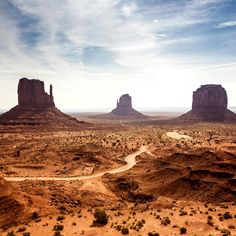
(178, 177)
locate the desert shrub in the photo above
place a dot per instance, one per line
(35, 215)
(118, 227)
(209, 218)
(221, 218)
(62, 210)
(100, 216)
(10, 233)
(153, 234)
(58, 227)
(183, 213)
(183, 230)
(139, 224)
(210, 222)
(231, 226)
(21, 229)
(227, 216)
(59, 218)
(125, 231)
(225, 232)
(57, 233)
(165, 221)
(26, 234)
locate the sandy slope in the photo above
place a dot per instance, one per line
(130, 160)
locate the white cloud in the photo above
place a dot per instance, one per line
(226, 24)
(136, 35)
(128, 9)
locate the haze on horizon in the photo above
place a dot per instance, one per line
(93, 51)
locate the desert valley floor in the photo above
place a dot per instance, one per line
(180, 179)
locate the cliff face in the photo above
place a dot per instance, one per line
(36, 107)
(212, 97)
(124, 105)
(124, 108)
(31, 93)
(209, 104)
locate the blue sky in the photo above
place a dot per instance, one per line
(93, 51)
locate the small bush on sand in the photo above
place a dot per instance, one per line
(10, 233)
(57, 233)
(26, 234)
(227, 216)
(153, 234)
(35, 215)
(100, 216)
(59, 218)
(21, 229)
(225, 232)
(183, 230)
(125, 231)
(165, 221)
(58, 227)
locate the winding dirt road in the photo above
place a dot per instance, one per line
(130, 160)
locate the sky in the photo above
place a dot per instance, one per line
(93, 51)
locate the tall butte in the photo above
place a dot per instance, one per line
(31, 93)
(36, 107)
(209, 104)
(124, 108)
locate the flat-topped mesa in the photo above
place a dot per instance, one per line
(31, 93)
(209, 104)
(213, 97)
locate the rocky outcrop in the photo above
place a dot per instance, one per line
(124, 108)
(31, 93)
(210, 104)
(213, 97)
(36, 107)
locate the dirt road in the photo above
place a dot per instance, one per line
(130, 160)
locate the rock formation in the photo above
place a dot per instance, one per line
(209, 104)
(36, 107)
(31, 93)
(124, 108)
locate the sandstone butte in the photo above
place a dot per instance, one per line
(209, 104)
(36, 107)
(124, 108)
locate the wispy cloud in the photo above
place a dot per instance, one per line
(230, 64)
(226, 24)
(104, 40)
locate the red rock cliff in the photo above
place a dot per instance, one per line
(210, 97)
(31, 93)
